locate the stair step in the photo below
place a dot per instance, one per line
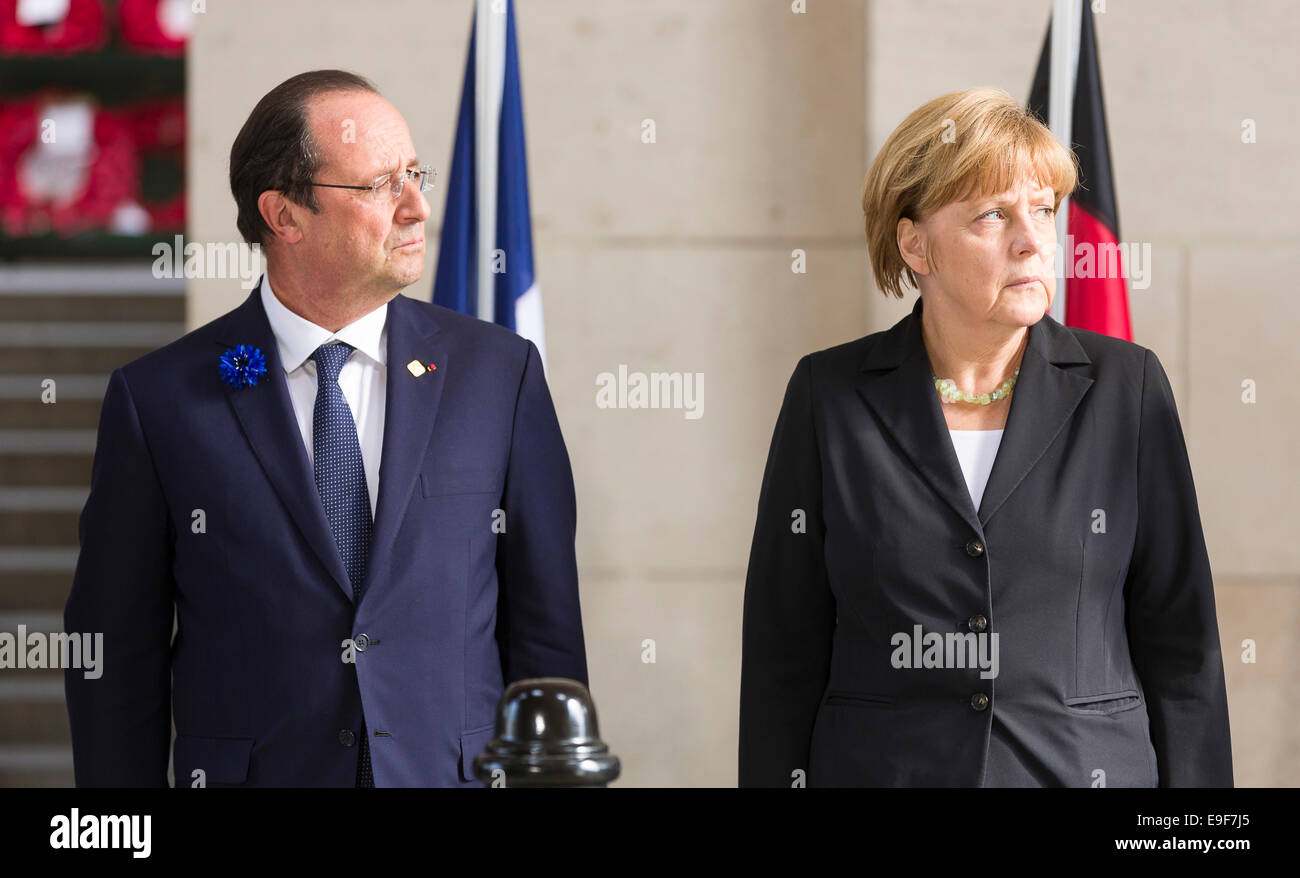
(49, 441)
(55, 307)
(28, 359)
(88, 279)
(43, 499)
(33, 708)
(67, 386)
(38, 559)
(36, 766)
(63, 414)
(25, 591)
(89, 335)
(38, 468)
(21, 529)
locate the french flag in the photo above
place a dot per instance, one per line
(485, 258)
(1071, 103)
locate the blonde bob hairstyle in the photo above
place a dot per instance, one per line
(959, 146)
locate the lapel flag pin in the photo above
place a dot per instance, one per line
(416, 368)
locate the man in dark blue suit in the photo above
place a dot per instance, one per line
(365, 529)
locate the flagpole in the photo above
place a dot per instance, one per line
(489, 76)
(1067, 16)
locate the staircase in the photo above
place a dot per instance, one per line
(73, 324)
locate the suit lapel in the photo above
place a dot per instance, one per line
(896, 384)
(266, 414)
(1041, 405)
(411, 405)
(410, 409)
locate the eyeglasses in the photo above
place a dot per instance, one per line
(389, 186)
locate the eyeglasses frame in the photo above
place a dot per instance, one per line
(427, 172)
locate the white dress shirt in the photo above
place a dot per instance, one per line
(363, 378)
(976, 450)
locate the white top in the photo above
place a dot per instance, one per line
(976, 450)
(362, 379)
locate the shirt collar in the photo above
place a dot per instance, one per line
(297, 337)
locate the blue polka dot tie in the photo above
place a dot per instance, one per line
(341, 481)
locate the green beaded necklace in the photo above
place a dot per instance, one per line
(948, 390)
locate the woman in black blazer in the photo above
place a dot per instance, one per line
(914, 617)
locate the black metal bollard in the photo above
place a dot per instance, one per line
(546, 736)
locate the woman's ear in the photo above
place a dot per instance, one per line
(912, 245)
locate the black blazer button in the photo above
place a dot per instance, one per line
(362, 641)
(977, 623)
(974, 547)
(346, 737)
(979, 701)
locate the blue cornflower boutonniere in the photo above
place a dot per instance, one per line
(242, 365)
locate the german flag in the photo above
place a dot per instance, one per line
(1095, 288)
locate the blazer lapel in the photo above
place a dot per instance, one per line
(410, 410)
(266, 414)
(1042, 403)
(896, 384)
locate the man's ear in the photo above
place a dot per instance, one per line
(912, 244)
(281, 215)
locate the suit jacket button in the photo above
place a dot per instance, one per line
(977, 623)
(974, 547)
(346, 737)
(362, 641)
(979, 701)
